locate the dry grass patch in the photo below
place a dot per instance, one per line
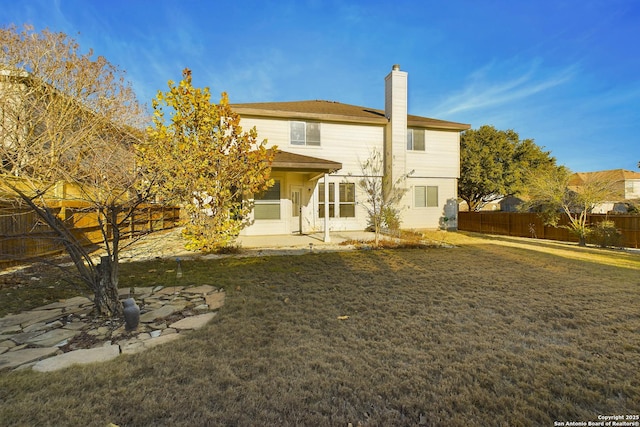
(485, 333)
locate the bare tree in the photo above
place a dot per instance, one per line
(381, 203)
(68, 117)
(555, 190)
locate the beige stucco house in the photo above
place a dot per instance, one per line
(321, 146)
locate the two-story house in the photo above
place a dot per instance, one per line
(321, 147)
(625, 185)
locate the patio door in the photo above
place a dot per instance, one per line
(296, 209)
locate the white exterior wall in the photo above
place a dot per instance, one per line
(431, 217)
(438, 165)
(276, 132)
(349, 144)
(340, 142)
(441, 157)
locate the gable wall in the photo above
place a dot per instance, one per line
(348, 144)
(441, 157)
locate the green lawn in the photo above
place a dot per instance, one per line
(497, 331)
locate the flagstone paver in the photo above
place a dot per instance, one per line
(159, 313)
(30, 317)
(75, 301)
(24, 337)
(52, 338)
(215, 300)
(9, 330)
(13, 359)
(92, 355)
(203, 289)
(134, 347)
(193, 322)
(170, 290)
(41, 326)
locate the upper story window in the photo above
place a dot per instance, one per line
(415, 139)
(305, 133)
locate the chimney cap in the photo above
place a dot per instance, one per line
(396, 67)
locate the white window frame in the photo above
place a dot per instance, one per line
(342, 190)
(428, 198)
(411, 139)
(259, 201)
(335, 201)
(311, 130)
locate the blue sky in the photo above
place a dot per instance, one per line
(565, 73)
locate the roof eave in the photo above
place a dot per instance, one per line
(441, 125)
(307, 167)
(255, 112)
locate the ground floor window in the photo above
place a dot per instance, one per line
(425, 196)
(267, 204)
(345, 207)
(332, 200)
(347, 200)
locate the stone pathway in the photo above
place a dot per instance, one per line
(64, 333)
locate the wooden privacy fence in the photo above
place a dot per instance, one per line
(23, 235)
(531, 225)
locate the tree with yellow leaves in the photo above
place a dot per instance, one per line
(206, 162)
(557, 190)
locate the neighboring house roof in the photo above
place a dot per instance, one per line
(336, 111)
(613, 175)
(289, 161)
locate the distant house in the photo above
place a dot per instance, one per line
(321, 146)
(626, 185)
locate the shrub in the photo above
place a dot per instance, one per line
(605, 234)
(391, 220)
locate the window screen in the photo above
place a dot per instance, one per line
(415, 139)
(305, 133)
(432, 197)
(267, 205)
(425, 196)
(420, 196)
(298, 133)
(347, 200)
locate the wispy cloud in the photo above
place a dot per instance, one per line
(487, 88)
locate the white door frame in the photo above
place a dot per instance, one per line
(296, 209)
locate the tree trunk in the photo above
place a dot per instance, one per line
(101, 279)
(106, 289)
